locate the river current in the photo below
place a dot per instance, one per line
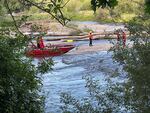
(68, 71)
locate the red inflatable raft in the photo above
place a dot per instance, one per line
(49, 51)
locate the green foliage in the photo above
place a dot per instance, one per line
(86, 15)
(54, 9)
(45, 66)
(85, 5)
(39, 16)
(136, 61)
(74, 6)
(123, 12)
(19, 85)
(99, 99)
(2, 10)
(147, 6)
(5, 22)
(33, 10)
(16, 5)
(103, 3)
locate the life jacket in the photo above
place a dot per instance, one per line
(41, 43)
(118, 36)
(124, 36)
(90, 36)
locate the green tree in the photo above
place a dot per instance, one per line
(19, 84)
(20, 81)
(136, 62)
(103, 3)
(147, 8)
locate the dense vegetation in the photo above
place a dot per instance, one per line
(19, 85)
(20, 80)
(121, 11)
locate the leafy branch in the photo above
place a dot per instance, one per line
(54, 13)
(10, 12)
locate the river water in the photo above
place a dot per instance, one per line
(67, 77)
(68, 71)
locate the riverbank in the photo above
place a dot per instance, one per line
(73, 28)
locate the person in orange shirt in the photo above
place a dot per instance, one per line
(90, 38)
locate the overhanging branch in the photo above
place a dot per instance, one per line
(10, 12)
(34, 4)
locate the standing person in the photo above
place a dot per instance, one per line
(38, 42)
(41, 42)
(124, 38)
(90, 38)
(118, 37)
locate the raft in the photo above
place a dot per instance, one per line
(49, 51)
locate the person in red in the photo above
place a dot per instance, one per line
(90, 38)
(118, 36)
(121, 38)
(124, 38)
(40, 43)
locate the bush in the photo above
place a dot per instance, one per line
(19, 85)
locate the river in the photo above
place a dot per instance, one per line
(68, 71)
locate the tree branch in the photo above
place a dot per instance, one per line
(65, 4)
(10, 12)
(34, 4)
(59, 11)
